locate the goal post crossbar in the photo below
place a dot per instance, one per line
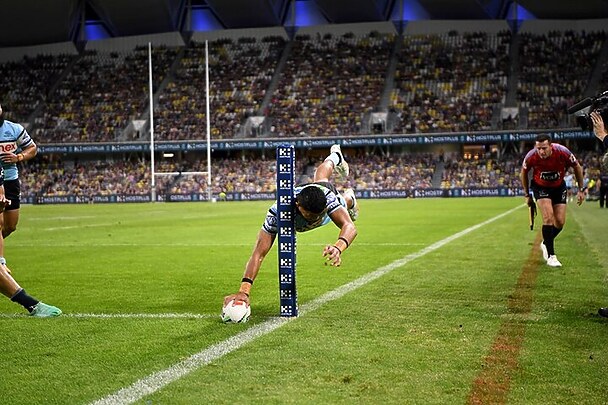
(180, 173)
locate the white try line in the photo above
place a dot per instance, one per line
(156, 381)
(130, 316)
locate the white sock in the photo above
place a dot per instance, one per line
(335, 158)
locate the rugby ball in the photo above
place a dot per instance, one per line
(236, 311)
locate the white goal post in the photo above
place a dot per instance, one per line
(208, 127)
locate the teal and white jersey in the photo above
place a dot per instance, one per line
(13, 139)
(334, 202)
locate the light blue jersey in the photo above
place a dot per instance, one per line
(334, 202)
(13, 139)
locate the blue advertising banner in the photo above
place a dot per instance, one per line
(353, 141)
(236, 196)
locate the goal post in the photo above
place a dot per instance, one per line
(153, 172)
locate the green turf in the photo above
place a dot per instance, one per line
(419, 334)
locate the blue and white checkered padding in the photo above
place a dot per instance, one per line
(286, 232)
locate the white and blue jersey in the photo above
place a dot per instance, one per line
(333, 202)
(13, 139)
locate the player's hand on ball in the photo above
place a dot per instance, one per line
(236, 297)
(332, 255)
(235, 311)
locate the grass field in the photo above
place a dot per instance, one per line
(438, 301)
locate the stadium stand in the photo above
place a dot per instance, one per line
(328, 84)
(450, 82)
(241, 73)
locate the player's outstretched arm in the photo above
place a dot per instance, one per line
(348, 233)
(262, 247)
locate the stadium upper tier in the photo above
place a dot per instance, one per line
(314, 86)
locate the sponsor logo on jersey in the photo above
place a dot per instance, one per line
(8, 147)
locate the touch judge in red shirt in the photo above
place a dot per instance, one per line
(548, 163)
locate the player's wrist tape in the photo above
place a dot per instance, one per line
(344, 240)
(247, 280)
(339, 250)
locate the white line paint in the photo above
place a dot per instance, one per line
(60, 218)
(130, 316)
(156, 381)
(154, 316)
(59, 228)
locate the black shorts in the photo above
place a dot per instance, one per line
(12, 190)
(558, 195)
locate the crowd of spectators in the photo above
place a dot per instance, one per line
(482, 172)
(328, 86)
(554, 71)
(328, 83)
(100, 95)
(450, 82)
(26, 83)
(44, 177)
(239, 75)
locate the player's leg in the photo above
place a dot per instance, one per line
(8, 285)
(335, 161)
(351, 203)
(10, 288)
(11, 219)
(12, 190)
(545, 206)
(557, 199)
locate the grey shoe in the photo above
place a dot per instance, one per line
(42, 310)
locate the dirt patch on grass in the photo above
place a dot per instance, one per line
(493, 382)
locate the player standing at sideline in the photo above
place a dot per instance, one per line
(9, 287)
(316, 204)
(549, 162)
(16, 145)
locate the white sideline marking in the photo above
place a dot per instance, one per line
(110, 316)
(155, 381)
(154, 316)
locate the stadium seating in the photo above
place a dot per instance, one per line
(328, 86)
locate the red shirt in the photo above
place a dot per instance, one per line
(549, 172)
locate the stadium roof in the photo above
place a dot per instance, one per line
(35, 22)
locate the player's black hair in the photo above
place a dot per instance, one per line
(312, 199)
(543, 138)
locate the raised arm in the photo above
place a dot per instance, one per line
(348, 233)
